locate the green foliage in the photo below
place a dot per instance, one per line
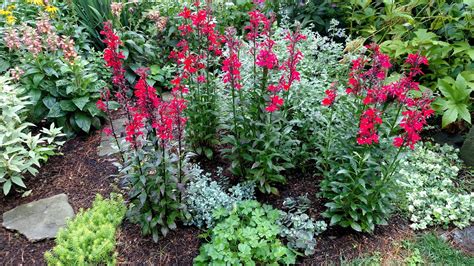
(92, 15)
(89, 238)
(317, 13)
(297, 227)
(204, 196)
(428, 190)
(21, 152)
(246, 235)
(439, 252)
(440, 30)
(63, 87)
(457, 100)
(156, 189)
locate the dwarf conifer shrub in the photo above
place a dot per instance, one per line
(89, 238)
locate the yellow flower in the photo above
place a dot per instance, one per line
(51, 9)
(10, 20)
(5, 13)
(36, 2)
(11, 7)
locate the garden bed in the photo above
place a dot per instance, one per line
(81, 174)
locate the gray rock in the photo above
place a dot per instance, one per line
(39, 219)
(107, 142)
(467, 149)
(464, 238)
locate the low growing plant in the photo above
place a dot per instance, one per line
(204, 196)
(430, 191)
(247, 234)
(22, 152)
(297, 227)
(89, 238)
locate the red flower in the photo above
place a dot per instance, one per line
(108, 131)
(275, 104)
(231, 65)
(330, 97)
(367, 131)
(101, 105)
(186, 13)
(266, 57)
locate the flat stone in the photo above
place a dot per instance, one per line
(107, 142)
(464, 238)
(39, 219)
(467, 149)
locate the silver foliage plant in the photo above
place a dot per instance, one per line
(297, 227)
(431, 193)
(204, 195)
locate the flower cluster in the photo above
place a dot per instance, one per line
(8, 14)
(330, 97)
(231, 64)
(41, 39)
(116, 9)
(113, 57)
(369, 119)
(197, 24)
(366, 81)
(160, 22)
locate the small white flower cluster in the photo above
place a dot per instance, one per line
(430, 193)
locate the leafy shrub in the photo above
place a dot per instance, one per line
(440, 31)
(246, 235)
(429, 194)
(89, 238)
(317, 13)
(21, 151)
(297, 227)
(63, 86)
(204, 196)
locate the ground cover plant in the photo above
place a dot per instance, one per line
(239, 131)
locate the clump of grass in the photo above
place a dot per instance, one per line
(437, 251)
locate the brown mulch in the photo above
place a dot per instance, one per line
(81, 174)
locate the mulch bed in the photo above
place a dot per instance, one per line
(81, 174)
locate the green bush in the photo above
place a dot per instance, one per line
(63, 85)
(21, 151)
(89, 238)
(248, 234)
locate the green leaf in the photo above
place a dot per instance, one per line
(55, 111)
(449, 116)
(67, 105)
(335, 219)
(17, 180)
(83, 121)
(49, 101)
(7, 186)
(356, 226)
(81, 102)
(37, 79)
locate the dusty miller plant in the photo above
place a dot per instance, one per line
(297, 227)
(204, 196)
